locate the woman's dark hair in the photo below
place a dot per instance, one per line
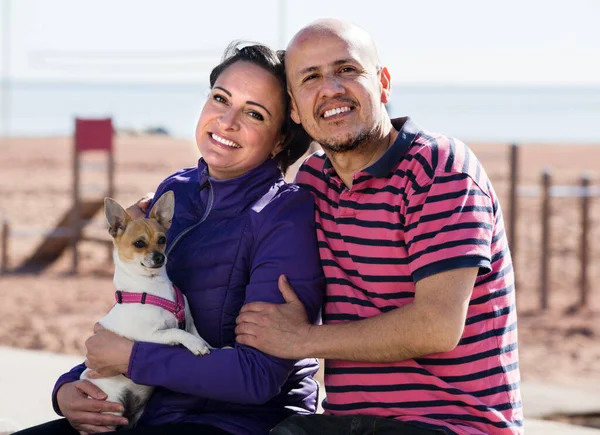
(296, 140)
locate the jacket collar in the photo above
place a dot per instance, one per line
(237, 193)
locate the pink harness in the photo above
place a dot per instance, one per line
(177, 308)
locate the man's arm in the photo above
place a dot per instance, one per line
(432, 323)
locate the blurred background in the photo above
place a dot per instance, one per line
(514, 71)
(518, 81)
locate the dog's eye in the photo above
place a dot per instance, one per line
(139, 244)
(162, 240)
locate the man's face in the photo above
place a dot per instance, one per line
(336, 90)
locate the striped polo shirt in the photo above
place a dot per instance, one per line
(426, 206)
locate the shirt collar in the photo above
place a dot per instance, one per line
(407, 131)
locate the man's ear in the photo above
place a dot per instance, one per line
(293, 109)
(163, 209)
(116, 216)
(386, 85)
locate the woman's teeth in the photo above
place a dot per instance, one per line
(225, 141)
(332, 112)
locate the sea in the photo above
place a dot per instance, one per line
(512, 114)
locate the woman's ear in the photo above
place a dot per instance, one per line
(279, 147)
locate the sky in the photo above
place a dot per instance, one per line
(459, 42)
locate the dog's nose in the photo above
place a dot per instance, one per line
(158, 258)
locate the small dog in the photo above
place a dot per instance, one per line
(149, 308)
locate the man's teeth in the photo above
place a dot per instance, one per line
(225, 141)
(332, 112)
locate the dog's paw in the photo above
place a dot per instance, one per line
(198, 346)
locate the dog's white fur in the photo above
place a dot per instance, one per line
(143, 322)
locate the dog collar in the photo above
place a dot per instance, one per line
(177, 308)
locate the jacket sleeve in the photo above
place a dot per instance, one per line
(284, 243)
(70, 376)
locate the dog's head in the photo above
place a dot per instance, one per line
(140, 243)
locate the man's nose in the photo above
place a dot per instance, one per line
(332, 87)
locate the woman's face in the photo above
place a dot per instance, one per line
(240, 124)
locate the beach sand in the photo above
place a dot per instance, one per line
(55, 311)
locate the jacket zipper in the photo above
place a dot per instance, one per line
(191, 227)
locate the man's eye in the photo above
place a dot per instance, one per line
(162, 240)
(257, 116)
(309, 78)
(139, 244)
(347, 69)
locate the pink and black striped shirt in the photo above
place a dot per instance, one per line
(426, 206)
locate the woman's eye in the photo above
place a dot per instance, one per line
(257, 116)
(162, 240)
(219, 99)
(139, 244)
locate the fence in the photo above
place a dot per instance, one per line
(546, 191)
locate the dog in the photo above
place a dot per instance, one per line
(148, 307)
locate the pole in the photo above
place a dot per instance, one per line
(110, 190)
(282, 37)
(585, 227)
(5, 72)
(545, 242)
(513, 205)
(76, 212)
(5, 235)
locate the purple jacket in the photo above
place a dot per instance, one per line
(229, 242)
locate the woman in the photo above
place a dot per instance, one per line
(237, 228)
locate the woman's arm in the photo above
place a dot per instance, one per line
(285, 243)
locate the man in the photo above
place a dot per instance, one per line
(419, 323)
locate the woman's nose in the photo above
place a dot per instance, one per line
(228, 120)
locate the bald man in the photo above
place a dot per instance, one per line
(419, 323)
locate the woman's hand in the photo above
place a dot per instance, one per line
(139, 209)
(107, 353)
(82, 403)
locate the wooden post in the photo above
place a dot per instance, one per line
(513, 209)
(76, 212)
(585, 227)
(4, 255)
(545, 242)
(111, 193)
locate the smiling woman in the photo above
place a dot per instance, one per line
(241, 123)
(237, 227)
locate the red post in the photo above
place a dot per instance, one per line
(90, 135)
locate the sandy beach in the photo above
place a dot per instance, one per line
(55, 311)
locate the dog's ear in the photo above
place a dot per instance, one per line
(163, 209)
(116, 216)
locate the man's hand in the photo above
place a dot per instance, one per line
(139, 209)
(82, 403)
(107, 353)
(281, 330)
